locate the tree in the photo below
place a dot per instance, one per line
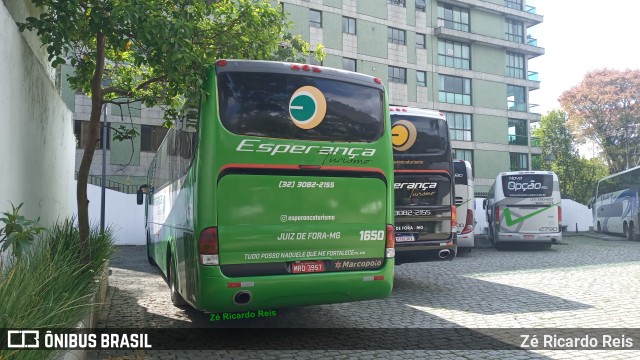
(605, 108)
(154, 52)
(577, 175)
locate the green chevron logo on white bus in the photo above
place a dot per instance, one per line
(307, 107)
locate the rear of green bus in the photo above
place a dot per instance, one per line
(294, 188)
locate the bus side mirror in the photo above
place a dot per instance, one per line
(140, 194)
(484, 204)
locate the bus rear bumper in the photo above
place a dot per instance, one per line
(466, 240)
(425, 251)
(529, 238)
(218, 293)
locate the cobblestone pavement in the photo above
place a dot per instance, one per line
(586, 282)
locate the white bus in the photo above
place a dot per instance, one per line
(465, 201)
(524, 207)
(615, 208)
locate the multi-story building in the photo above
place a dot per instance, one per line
(466, 58)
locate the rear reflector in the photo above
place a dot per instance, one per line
(560, 216)
(373, 278)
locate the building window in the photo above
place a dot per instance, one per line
(315, 18)
(454, 54)
(515, 65)
(397, 75)
(518, 134)
(421, 78)
(402, 3)
(462, 154)
(455, 90)
(421, 5)
(514, 4)
(151, 137)
(348, 25)
(81, 131)
(459, 126)
(519, 161)
(514, 31)
(453, 17)
(420, 41)
(516, 100)
(396, 36)
(349, 64)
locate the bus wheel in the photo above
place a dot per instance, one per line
(176, 298)
(631, 232)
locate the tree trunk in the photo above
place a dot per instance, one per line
(87, 157)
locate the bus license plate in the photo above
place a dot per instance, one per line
(528, 236)
(307, 267)
(405, 238)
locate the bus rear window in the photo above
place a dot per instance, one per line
(460, 173)
(262, 104)
(431, 135)
(527, 185)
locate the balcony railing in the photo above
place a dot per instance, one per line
(530, 9)
(516, 106)
(518, 140)
(535, 141)
(532, 75)
(532, 41)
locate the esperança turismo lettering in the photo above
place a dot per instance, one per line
(252, 145)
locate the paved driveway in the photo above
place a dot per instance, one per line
(585, 283)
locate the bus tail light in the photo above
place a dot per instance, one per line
(497, 212)
(454, 219)
(468, 223)
(208, 246)
(391, 241)
(559, 216)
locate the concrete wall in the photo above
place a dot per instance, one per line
(36, 141)
(121, 213)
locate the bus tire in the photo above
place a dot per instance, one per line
(631, 232)
(176, 299)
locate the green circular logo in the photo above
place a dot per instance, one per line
(307, 107)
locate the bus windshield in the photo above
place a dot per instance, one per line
(258, 104)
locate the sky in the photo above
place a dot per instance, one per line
(580, 36)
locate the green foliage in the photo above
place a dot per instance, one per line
(577, 175)
(18, 232)
(51, 287)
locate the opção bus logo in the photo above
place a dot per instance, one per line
(403, 135)
(516, 186)
(307, 107)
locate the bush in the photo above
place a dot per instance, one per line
(51, 286)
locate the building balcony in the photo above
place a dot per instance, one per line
(518, 140)
(527, 15)
(530, 51)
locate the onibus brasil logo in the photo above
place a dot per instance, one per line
(307, 107)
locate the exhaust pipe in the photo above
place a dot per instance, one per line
(443, 254)
(242, 297)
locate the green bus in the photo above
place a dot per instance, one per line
(283, 196)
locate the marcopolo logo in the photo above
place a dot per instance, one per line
(307, 107)
(403, 135)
